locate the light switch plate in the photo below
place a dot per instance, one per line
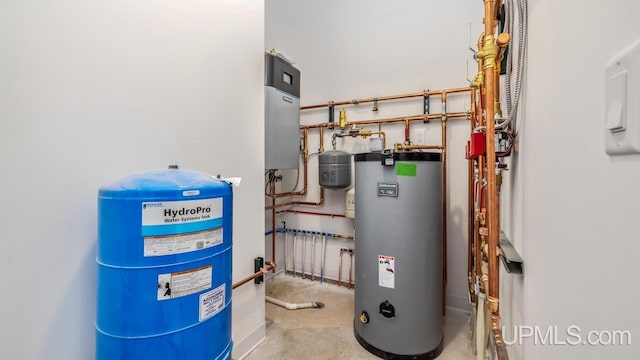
(622, 103)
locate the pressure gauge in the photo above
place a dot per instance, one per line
(504, 143)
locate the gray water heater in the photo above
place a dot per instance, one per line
(282, 113)
(334, 169)
(398, 271)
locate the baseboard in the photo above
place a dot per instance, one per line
(459, 303)
(243, 347)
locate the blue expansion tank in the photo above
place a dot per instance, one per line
(164, 267)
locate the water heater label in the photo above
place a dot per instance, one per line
(386, 271)
(387, 189)
(175, 217)
(183, 283)
(212, 302)
(178, 244)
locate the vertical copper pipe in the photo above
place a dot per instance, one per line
(407, 137)
(305, 155)
(481, 163)
(480, 212)
(444, 201)
(321, 139)
(305, 141)
(470, 207)
(490, 52)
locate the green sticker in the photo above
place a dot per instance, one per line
(406, 169)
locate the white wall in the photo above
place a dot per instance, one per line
(359, 49)
(92, 91)
(572, 211)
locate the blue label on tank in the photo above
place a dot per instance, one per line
(157, 230)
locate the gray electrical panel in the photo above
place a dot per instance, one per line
(282, 113)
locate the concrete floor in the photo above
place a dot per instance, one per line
(322, 334)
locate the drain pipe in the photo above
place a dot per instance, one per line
(290, 306)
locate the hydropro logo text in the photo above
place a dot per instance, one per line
(185, 211)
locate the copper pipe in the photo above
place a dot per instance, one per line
(470, 207)
(345, 237)
(305, 165)
(501, 347)
(270, 266)
(321, 140)
(424, 117)
(496, 8)
(480, 215)
(481, 166)
(422, 147)
(490, 53)
(502, 41)
(443, 122)
(459, 115)
(384, 98)
(380, 133)
(481, 210)
(298, 202)
(407, 132)
(314, 213)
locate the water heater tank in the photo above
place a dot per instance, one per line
(335, 169)
(164, 267)
(398, 292)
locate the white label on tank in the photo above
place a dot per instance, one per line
(180, 212)
(191, 193)
(178, 244)
(386, 271)
(183, 283)
(212, 302)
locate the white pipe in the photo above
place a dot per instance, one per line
(313, 257)
(286, 238)
(290, 306)
(324, 250)
(304, 251)
(295, 236)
